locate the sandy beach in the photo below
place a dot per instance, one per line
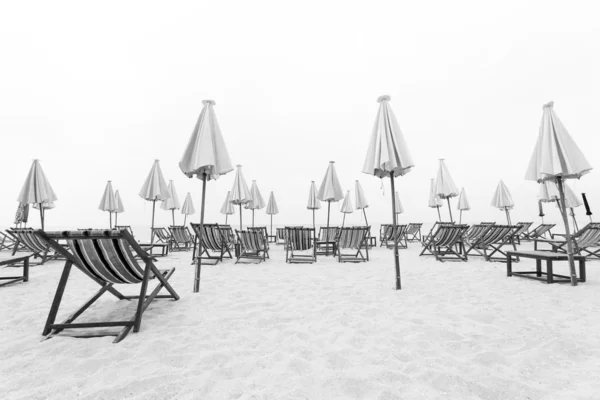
(320, 331)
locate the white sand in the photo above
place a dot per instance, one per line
(321, 331)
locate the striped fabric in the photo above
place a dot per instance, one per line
(180, 235)
(299, 239)
(328, 234)
(475, 232)
(490, 242)
(280, 236)
(27, 237)
(253, 245)
(352, 238)
(413, 228)
(523, 228)
(589, 238)
(161, 234)
(446, 243)
(539, 232)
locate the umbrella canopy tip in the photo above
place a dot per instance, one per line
(385, 97)
(239, 166)
(206, 102)
(549, 104)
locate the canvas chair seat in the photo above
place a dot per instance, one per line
(353, 239)
(214, 243)
(413, 232)
(446, 243)
(326, 242)
(490, 243)
(34, 243)
(252, 244)
(300, 245)
(181, 237)
(586, 241)
(539, 232)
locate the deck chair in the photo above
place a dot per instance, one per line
(584, 241)
(228, 236)
(475, 232)
(413, 232)
(163, 247)
(385, 231)
(280, 236)
(300, 245)
(182, 238)
(252, 245)
(446, 243)
(163, 236)
(434, 228)
(352, 239)
(107, 257)
(214, 244)
(392, 234)
(489, 244)
(522, 231)
(539, 232)
(263, 231)
(326, 242)
(34, 243)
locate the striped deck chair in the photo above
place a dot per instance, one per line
(163, 236)
(182, 239)
(252, 245)
(352, 238)
(263, 231)
(300, 245)
(585, 240)
(385, 232)
(399, 233)
(522, 231)
(107, 257)
(34, 243)
(228, 236)
(446, 243)
(491, 241)
(325, 243)
(475, 232)
(434, 228)
(7, 242)
(280, 236)
(149, 247)
(539, 232)
(214, 244)
(413, 232)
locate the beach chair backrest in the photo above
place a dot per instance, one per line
(541, 230)
(30, 238)
(413, 228)
(476, 231)
(261, 229)
(522, 227)
(487, 223)
(227, 234)
(398, 233)
(180, 234)
(497, 234)
(449, 235)
(589, 238)
(251, 240)
(161, 234)
(280, 233)
(126, 227)
(352, 237)
(328, 234)
(299, 238)
(106, 255)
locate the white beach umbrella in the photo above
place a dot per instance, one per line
(206, 157)
(503, 200)
(256, 200)
(399, 207)
(239, 192)
(330, 190)
(119, 208)
(388, 156)
(347, 207)
(463, 203)
(272, 209)
(361, 200)
(154, 189)
(46, 205)
(434, 200)
(549, 192)
(227, 207)
(22, 214)
(107, 203)
(556, 157)
(172, 203)
(444, 185)
(37, 190)
(188, 207)
(313, 201)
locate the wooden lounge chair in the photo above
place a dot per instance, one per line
(214, 244)
(7, 242)
(300, 245)
(228, 236)
(540, 232)
(279, 236)
(107, 257)
(163, 236)
(446, 243)
(385, 232)
(434, 228)
(263, 231)
(352, 238)
(252, 245)
(522, 231)
(182, 238)
(489, 244)
(391, 234)
(413, 232)
(585, 241)
(149, 247)
(475, 232)
(326, 242)
(34, 243)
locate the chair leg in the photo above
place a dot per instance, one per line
(138, 314)
(60, 290)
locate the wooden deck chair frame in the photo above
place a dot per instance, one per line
(352, 238)
(385, 232)
(214, 244)
(148, 247)
(434, 228)
(182, 239)
(163, 236)
(263, 231)
(446, 243)
(413, 232)
(522, 231)
(584, 241)
(252, 245)
(325, 243)
(300, 239)
(400, 232)
(489, 244)
(107, 258)
(539, 232)
(34, 243)
(7, 242)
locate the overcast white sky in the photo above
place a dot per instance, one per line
(97, 91)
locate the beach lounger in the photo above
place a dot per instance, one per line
(228, 236)
(391, 234)
(586, 241)
(182, 238)
(263, 231)
(326, 241)
(34, 243)
(540, 232)
(522, 231)
(214, 243)
(279, 236)
(300, 245)
(446, 243)
(385, 232)
(163, 236)
(434, 228)
(489, 244)
(252, 244)
(164, 248)
(352, 239)
(107, 257)
(413, 232)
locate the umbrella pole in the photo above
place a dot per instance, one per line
(344, 220)
(449, 209)
(365, 214)
(575, 227)
(226, 215)
(438, 209)
(116, 219)
(314, 226)
(271, 224)
(152, 229)
(110, 220)
(396, 255)
(460, 218)
(42, 215)
(253, 217)
(327, 231)
(563, 213)
(508, 216)
(240, 216)
(185, 218)
(173, 215)
(199, 263)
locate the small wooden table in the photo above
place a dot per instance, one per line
(148, 247)
(549, 257)
(16, 260)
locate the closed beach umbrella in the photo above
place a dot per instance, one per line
(119, 206)
(172, 203)
(361, 200)
(399, 208)
(434, 200)
(347, 207)
(556, 157)
(272, 209)
(588, 211)
(107, 203)
(330, 190)
(256, 200)
(463, 203)
(37, 190)
(22, 214)
(188, 207)
(227, 207)
(313, 201)
(206, 157)
(239, 192)
(154, 189)
(541, 211)
(388, 156)
(503, 200)
(549, 192)
(444, 185)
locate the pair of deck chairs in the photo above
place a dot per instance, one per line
(349, 244)
(33, 242)
(108, 257)
(488, 241)
(586, 241)
(217, 243)
(445, 242)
